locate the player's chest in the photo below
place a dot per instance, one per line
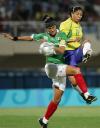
(76, 30)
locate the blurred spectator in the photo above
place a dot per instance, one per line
(20, 13)
(33, 10)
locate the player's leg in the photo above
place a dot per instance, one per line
(74, 84)
(51, 107)
(63, 70)
(81, 88)
(74, 57)
(59, 84)
(59, 87)
(79, 80)
(66, 70)
(86, 95)
(70, 58)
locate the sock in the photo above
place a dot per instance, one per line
(50, 110)
(86, 94)
(81, 82)
(45, 120)
(87, 47)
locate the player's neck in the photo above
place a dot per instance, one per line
(53, 35)
(74, 21)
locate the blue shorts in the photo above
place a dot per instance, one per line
(73, 57)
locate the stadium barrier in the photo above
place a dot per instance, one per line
(91, 31)
(31, 98)
(36, 79)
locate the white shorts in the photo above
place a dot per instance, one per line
(57, 72)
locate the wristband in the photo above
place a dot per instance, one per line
(15, 38)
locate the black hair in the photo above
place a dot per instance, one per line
(74, 9)
(49, 21)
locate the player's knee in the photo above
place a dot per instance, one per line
(77, 71)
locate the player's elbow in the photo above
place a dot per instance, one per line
(58, 50)
(61, 50)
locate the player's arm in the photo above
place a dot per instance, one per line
(33, 37)
(65, 27)
(15, 38)
(77, 39)
(61, 48)
(49, 48)
(24, 38)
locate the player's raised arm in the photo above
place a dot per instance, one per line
(23, 38)
(15, 38)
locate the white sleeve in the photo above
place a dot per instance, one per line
(32, 36)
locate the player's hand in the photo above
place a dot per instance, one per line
(7, 35)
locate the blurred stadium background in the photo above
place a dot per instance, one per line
(22, 77)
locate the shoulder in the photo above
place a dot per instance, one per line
(41, 34)
(65, 23)
(62, 34)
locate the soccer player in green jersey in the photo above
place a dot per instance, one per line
(55, 67)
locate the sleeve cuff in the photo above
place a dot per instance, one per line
(32, 36)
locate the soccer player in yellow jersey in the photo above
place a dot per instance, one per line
(73, 29)
(74, 53)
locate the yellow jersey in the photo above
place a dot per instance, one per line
(73, 30)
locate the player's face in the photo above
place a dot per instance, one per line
(77, 16)
(52, 30)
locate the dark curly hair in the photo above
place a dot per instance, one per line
(49, 21)
(74, 9)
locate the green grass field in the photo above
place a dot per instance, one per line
(65, 117)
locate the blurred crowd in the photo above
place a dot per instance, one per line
(34, 10)
(26, 10)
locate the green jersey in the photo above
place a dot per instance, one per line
(58, 40)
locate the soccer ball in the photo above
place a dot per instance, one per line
(46, 49)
